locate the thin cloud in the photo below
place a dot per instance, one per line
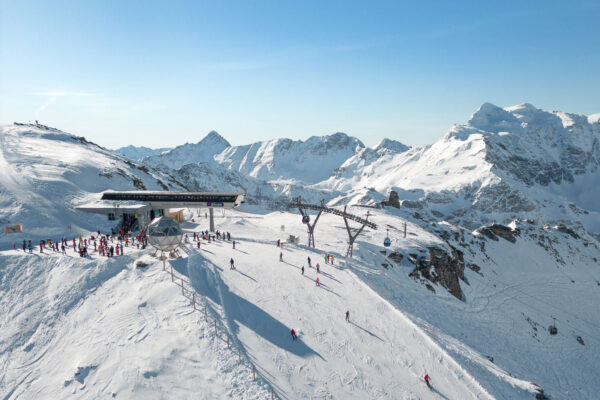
(63, 94)
(45, 105)
(53, 96)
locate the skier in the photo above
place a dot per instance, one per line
(280, 256)
(317, 282)
(303, 270)
(427, 379)
(348, 316)
(231, 266)
(233, 244)
(198, 244)
(326, 257)
(293, 333)
(318, 270)
(309, 262)
(278, 242)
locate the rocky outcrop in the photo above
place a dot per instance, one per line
(393, 201)
(565, 229)
(441, 267)
(495, 230)
(396, 257)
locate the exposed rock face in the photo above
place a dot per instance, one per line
(495, 230)
(443, 268)
(565, 229)
(393, 201)
(412, 204)
(502, 198)
(396, 257)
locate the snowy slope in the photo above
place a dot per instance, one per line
(504, 163)
(468, 301)
(213, 177)
(504, 315)
(136, 153)
(307, 161)
(189, 153)
(47, 172)
(100, 328)
(398, 330)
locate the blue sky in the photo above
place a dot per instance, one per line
(165, 73)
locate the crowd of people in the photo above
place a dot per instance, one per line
(106, 245)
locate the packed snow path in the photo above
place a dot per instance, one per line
(379, 353)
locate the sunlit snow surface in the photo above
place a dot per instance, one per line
(94, 328)
(132, 333)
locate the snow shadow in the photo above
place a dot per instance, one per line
(180, 265)
(205, 279)
(246, 275)
(366, 331)
(438, 393)
(329, 276)
(324, 287)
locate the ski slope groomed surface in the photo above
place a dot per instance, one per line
(106, 328)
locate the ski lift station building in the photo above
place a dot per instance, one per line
(143, 206)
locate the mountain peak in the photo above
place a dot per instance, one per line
(524, 108)
(216, 138)
(492, 118)
(393, 145)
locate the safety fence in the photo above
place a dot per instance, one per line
(220, 334)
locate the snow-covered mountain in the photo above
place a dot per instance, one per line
(136, 153)
(213, 177)
(500, 165)
(307, 162)
(189, 153)
(46, 173)
(502, 236)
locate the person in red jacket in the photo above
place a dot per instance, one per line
(427, 379)
(293, 333)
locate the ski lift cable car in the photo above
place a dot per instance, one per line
(305, 219)
(387, 242)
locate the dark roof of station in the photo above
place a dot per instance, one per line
(166, 196)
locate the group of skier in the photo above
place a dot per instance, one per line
(206, 235)
(329, 259)
(100, 242)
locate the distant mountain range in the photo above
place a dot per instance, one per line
(503, 233)
(137, 153)
(503, 163)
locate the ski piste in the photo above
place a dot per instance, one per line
(479, 326)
